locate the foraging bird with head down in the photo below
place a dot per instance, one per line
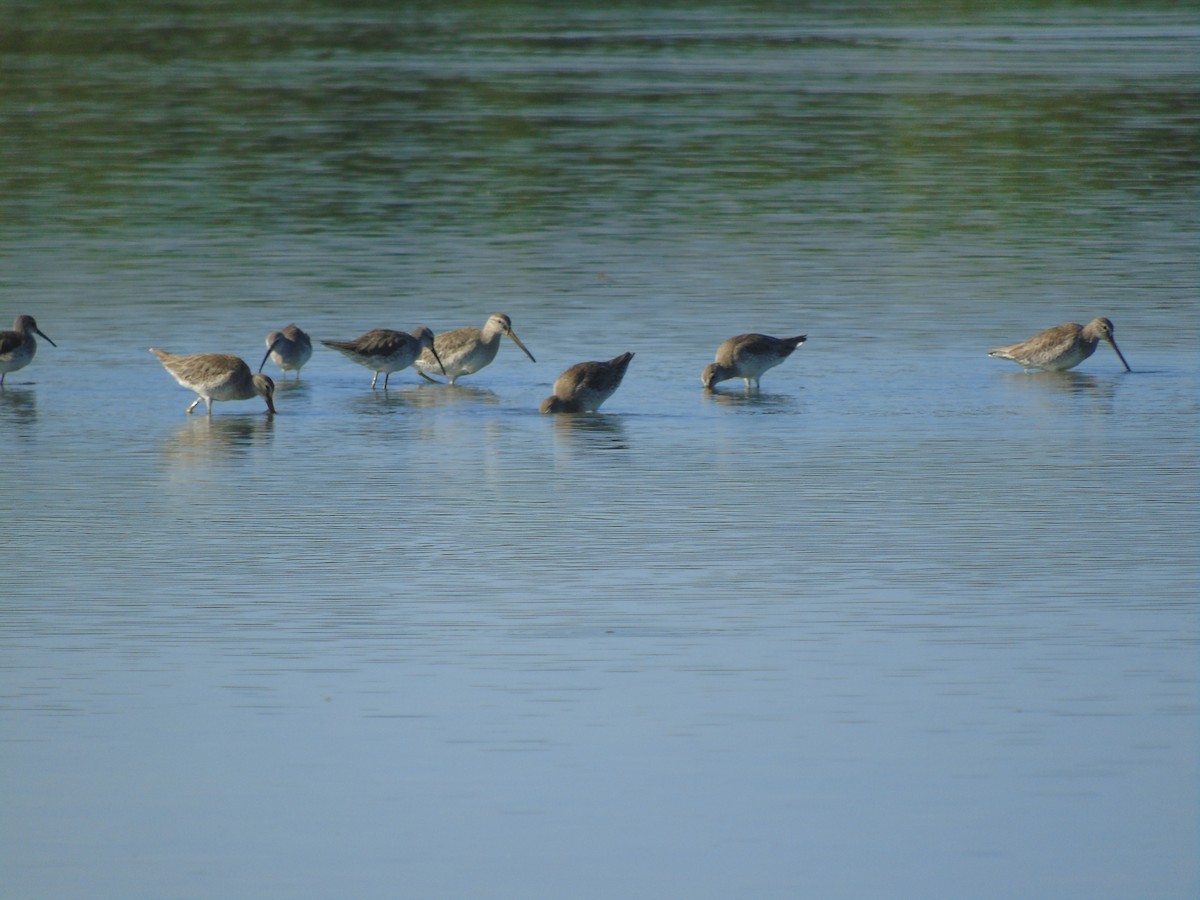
(586, 385)
(747, 356)
(217, 376)
(1061, 347)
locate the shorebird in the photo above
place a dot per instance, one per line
(465, 351)
(217, 376)
(584, 386)
(290, 348)
(386, 351)
(17, 347)
(1061, 347)
(747, 356)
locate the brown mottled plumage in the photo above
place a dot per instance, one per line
(747, 356)
(217, 376)
(384, 350)
(1061, 347)
(584, 386)
(17, 347)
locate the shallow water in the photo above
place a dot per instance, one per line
(907, 622)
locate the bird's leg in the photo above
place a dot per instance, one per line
(195, 403)
(375, 379)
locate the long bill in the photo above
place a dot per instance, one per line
(265, 388)
(1120, 354)
(516, 340)
(433, 350)
(43, 334)
(270, 350)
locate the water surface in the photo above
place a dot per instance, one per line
(907, 622)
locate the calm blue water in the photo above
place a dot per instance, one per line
(906, 623)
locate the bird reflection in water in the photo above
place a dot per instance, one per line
(591, 432)
(1081, 384)
(204, 439)
(759, 401)
(293, 386)
(18, 406)
(395, 401)
(462, 395)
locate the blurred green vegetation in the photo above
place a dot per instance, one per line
(494, 116)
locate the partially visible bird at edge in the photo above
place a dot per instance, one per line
(18, 347)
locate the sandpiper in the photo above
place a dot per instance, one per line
(464, 351)
(17, 347)
(386, 351)
(217, 376)
(1061, 347)
(747, 356)
(290, 348)
(584, 386)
